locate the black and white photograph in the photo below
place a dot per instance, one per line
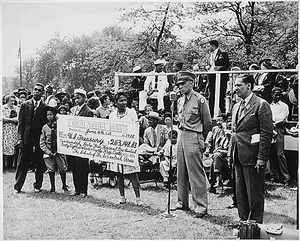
(154, 120)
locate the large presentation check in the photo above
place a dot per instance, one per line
(98, 139)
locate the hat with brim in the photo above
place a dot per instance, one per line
(183, 76)
(264, 60)
(22, 92)
(214, 42)
(61, 93)
(136, 68)
(80, 92)
(158, 61)
(49, 88)
(153, 114)
(50, 108)
(62, 107)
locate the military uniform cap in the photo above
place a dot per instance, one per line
(183, 76)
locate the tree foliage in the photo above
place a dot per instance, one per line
(260, 28)
(247, 30)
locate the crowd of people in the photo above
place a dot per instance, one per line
(252, 115)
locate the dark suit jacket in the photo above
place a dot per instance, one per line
(256, 119)
(268, 83)
(29, 126)
(86, 111)
(222, 60)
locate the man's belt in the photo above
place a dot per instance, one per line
(184, 129)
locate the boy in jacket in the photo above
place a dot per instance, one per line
(48, 144)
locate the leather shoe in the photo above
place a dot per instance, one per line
(199, 215)
(17, 191)
(179, 207)
(83, 195)
(74, 194)
(37, 190)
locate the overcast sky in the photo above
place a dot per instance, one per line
(38, 22)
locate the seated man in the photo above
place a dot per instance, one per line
(143, 121)
(218, 143)
(164, 166)
(151, 136)
(155, 87)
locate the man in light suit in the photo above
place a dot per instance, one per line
(250, 148)
(79, 165)
(218, 61)
(31, 121)
(155, 87)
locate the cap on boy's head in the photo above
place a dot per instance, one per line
(49, 108)
(49, 88)
(80, 92)
(214, 43)
(183, 76)
(136, 68)
(158, 61)
(62, 107)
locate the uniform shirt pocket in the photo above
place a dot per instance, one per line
(193, 113)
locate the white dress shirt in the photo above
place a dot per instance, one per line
(280, 111)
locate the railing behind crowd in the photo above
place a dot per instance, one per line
(217, 79)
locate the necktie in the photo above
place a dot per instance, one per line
(242, 107)
(156, 82)
(77, 110)
(154, 138)
(35, 107)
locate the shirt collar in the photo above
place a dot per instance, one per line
(189, 95)
(248, 99)
(277, 103)
(36, 101)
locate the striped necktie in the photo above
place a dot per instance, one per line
(242, 107)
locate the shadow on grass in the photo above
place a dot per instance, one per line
(155, 188)
(129, 206)
(274, 197)
(225, 221)
(279, 218)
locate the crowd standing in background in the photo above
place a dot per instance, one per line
(253, 107)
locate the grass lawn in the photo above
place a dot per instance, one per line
(57, 215)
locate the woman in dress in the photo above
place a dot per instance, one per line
(10, 131)
(123, 113)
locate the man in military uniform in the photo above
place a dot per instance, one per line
(194, 125)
